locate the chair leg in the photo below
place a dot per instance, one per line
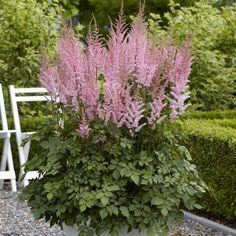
(7, 159)
(11, 168)
(26, 151)
(23, 155)
(3, 161)
(13, 185)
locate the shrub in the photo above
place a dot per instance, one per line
(71, 7)
(212, 80)
(114, 164)
(102, 8)
(25, 25)
(213, 148)
(218, 114)
(82, 10)
(231, 123)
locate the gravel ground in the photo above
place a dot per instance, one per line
(16, 220)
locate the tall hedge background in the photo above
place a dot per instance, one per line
(212, 144)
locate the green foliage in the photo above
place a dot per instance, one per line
(231, 123)
(212, 144)
(83, 9)
(103, 9)
(212, 30)
(220, 3)
(112, 179)
(70, 7)
(218, 114)
(25, 26)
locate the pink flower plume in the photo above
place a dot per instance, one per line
(127, 80)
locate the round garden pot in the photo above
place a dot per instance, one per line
(73, 231)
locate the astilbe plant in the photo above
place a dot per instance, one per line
(114, 163)
(142, 84)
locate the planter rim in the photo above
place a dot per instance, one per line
(209, 223)
(73, 231)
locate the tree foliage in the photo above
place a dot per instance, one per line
(25, 26)
(71, 7)
(103, 9)
(212, 30)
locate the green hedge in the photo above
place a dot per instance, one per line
(227, 123)
(213, 148)
(225, 114)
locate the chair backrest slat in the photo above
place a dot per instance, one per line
(33, 98)
(18, 95)
(30, 90)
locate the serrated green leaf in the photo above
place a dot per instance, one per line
(157, 201)
(146, 198)
(49, 196)
(132, 207)
(135, 178)
(197, 206)
(99, 195)
(125, 172)
(37, 215)
(144, 181)
(116, 174)
(82, 208)
(115, 210)
(104, 200)
(45, 144)
(164, 211)
(103, 213)
(123, 144)
(109, 209)
(124, 211)
(48, 186)
(113, 188)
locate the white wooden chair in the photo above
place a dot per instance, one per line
(23, 95)
(7, 168)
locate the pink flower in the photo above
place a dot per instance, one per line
(48, 76)
(115, 66)
(156, 108)
(70, 67)
(134, 114)
(113, 107)
(129, 81)
(179, 80)
(84, 129)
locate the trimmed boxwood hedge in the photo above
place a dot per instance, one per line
(227, 123)
(225, 114)
(213, 148)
